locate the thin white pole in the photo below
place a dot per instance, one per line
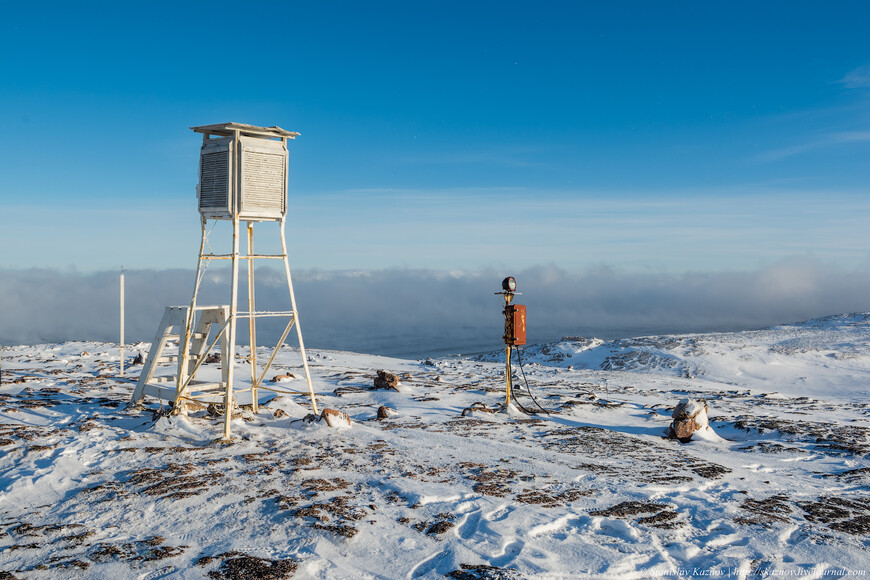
(122, 321)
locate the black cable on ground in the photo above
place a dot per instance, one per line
(520, 360)
(523, 409)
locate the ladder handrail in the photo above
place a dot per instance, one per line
(201, 360)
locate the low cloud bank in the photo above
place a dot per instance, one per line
(415, 312)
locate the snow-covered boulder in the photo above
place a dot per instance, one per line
(385, 412)
(689, 416)
(335, 418)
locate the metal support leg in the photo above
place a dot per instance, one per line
(507, 371)
(296, 316)
(184, 343)
(252, 328)
(231, 346)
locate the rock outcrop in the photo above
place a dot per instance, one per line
(689, 416)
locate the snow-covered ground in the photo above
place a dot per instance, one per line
(780, 485)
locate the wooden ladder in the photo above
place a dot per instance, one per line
(169, 347)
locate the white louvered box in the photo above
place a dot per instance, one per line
(243, 174)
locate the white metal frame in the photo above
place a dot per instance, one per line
(197, 321)
(234, 314)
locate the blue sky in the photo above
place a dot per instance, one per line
(648, 137)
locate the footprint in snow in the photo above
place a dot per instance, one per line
(500, 513)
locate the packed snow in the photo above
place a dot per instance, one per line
(777, 483)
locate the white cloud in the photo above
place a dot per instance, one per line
(858, 78)
(822, 142)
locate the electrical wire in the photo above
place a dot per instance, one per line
(520, 360)
(523, 409)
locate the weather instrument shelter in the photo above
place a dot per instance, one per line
(243, 173)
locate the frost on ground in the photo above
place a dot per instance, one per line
(780, 483)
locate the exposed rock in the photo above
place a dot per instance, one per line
(689, 416)
(283, 378)
(335, 418)
(476, 407)
(386, 380)
(385, 412)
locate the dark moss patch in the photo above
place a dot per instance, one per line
(240, 566)
(441, 527)
(484, 572)
(764, 511)
(850, 516)
(344, 530)
(708, 470)
(859, 526)
(325, 484)
(629, 508)
(663, 519)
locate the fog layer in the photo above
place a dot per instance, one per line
(418, 312)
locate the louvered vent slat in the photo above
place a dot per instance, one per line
(263, 175)
(214, 179)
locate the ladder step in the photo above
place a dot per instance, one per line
(163, 393)
(174, 358)
(168, 358)
(193, 336)
(197, 387)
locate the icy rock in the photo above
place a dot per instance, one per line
(689, 416)
(386, 380)
(385, 412)
(335, 418)
(476, 407)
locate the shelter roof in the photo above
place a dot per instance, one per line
(229, 129)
